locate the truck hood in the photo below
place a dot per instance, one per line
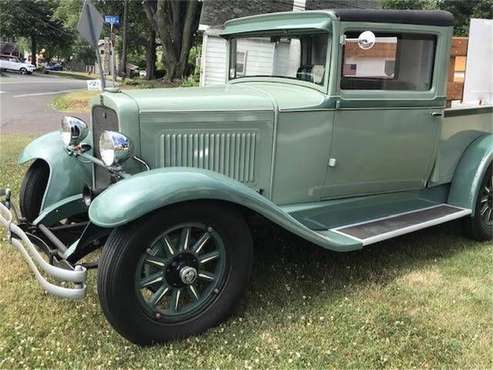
(231, 97)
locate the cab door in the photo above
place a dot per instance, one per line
(388, 116)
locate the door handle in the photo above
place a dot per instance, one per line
(437, 114)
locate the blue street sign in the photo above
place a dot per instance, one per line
(112, 19)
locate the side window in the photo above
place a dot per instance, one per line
(395, 62)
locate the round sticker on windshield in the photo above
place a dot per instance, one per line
(366, 40)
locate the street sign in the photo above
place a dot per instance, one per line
(94, 85)
(112, 19)
(90, 23)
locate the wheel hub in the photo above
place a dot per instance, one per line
(182, 270)
(188, 275)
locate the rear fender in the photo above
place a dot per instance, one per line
(470, 172)
(68, 175)
(145, 192)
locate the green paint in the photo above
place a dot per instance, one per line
(284, 23)
(470, 172)
(64, 208)
(67, 174)
(148, 191)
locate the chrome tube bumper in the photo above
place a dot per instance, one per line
(75, 275)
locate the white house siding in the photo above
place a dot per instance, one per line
(260, 56)
(478, 84)
(260, 60)
(213, 63)
(282, 60)
(368, 67)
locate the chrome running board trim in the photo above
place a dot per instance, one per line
(349, 230)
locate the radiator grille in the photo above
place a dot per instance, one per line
(103, 118)
(229, 153)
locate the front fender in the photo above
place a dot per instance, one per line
(67, 174)
(469, 173)
(145, 192)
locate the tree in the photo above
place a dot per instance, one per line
(175, 22)
(462, 10)
(34, 20)
(151, 56)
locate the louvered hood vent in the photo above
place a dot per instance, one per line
(229, 153)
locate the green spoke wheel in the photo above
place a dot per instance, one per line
(181, 271)
(175, 272)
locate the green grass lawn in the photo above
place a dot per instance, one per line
(76, 101)
(74, 75)
(423, 300)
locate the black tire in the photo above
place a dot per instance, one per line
(480, 226)
(117, 290)
(23, 71)
(33, 188)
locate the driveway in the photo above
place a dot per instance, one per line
(25, 102)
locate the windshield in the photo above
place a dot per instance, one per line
(301, 57)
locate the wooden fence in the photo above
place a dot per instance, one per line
(457, 69)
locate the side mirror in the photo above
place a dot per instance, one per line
(366, 40)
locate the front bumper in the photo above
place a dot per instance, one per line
(63, 273)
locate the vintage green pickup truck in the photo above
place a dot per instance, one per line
(332, 125)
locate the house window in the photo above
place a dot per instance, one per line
(241, 63)
(350, 69)
(395, 62)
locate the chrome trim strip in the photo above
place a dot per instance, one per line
(204, 110)
(391, 216)
(36, 262)
(416, 227)
(345, 235)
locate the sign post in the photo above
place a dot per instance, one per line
(112, 20)
(90, 26)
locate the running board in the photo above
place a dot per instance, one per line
(379, 229)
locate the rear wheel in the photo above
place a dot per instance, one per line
(33, 188)
(176, 272)
(480, 226)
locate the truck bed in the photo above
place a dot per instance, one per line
(460, 127)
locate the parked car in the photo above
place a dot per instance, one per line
(53, 67)
(332, 125)
(12, 63)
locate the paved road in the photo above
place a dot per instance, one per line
(25, 102)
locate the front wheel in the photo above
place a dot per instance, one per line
(480, 226)
(176, 272)
(23, 71)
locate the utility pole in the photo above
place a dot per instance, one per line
(123, 60)
(113, 59)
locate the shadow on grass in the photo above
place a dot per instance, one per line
(288, 269)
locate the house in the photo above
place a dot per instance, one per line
(213, 67)
(8, 46)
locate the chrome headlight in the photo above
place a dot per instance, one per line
(74, 130)
(114, 147)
